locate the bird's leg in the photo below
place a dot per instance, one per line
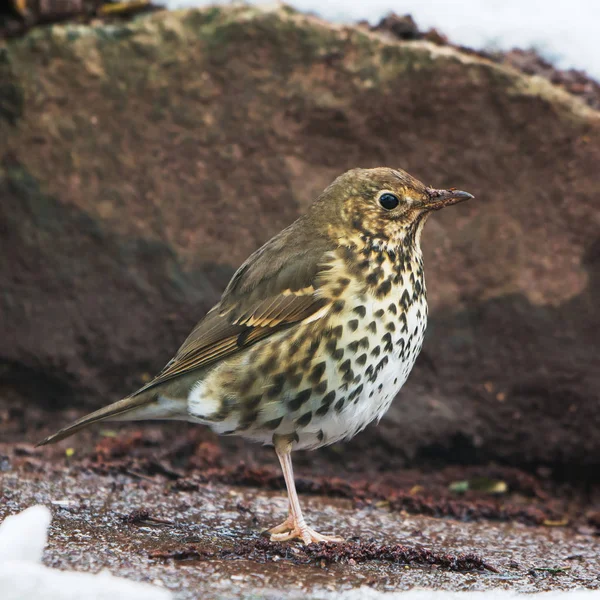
(294, 526)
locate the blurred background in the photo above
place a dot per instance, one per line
(145, 152)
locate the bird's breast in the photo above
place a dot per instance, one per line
(322, 381)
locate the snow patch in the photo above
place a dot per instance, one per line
(23, 577)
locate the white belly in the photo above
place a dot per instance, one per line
(377, 392)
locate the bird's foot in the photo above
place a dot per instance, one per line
(289, 530)
(287, 525)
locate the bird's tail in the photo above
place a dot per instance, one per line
(123, 409)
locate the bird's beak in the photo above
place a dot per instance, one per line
(441, 198)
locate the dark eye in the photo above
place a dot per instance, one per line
(388, 201)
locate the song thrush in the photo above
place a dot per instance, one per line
(314, 335)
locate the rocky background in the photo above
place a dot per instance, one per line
(142, 161)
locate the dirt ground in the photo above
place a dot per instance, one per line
(173, 505)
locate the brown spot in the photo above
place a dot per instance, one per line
(355, 393)
(320, 435)
(387, 340)
(295, 380)
(361, 311)
(392, 308)
(338, 306)
(404, 323)
(340, 404)
(372, 327)
(331, 345)
(305, 419)
(277, 386)
(322, 387)
(391, 326)
(405, 300)
(294, 347)
(338, 354)
(268, 366)
(384, 288)
(314, 346)
(384, 361)
(374, 276)
(361, 360)
(376, 351)
(379, 313)
(300, 399)
(336, 332)
(343, 281)
(345, 366)
(317, 372)
(353, 324)
(348, 375)
(364, 343)
(251, 403)
(273, 424)
(322, 411)
(329, 398)
(353, 346)
(247, 420)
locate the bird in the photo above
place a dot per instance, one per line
(314, 335)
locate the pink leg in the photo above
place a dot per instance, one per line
(294, 526)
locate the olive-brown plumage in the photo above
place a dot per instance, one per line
(315, 333)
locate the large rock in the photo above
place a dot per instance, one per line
(141, 163)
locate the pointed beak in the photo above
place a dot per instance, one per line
(442, 198)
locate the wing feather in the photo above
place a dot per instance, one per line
(273, 290)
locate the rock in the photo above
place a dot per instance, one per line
(142, 162)
(576, 82)
(404, 28)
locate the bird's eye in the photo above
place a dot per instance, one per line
(388, 201)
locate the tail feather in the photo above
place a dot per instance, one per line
(116, 409)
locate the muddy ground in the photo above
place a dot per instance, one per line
(173, 505)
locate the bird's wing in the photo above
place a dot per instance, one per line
(274, 289)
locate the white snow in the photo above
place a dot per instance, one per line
(23, 577)
(566, 33)
(23, 537)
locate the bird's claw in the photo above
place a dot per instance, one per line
(288, 530)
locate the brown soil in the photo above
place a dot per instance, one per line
(172, 503)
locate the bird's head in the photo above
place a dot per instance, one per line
(386, 206)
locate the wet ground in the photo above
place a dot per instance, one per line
(172, 506)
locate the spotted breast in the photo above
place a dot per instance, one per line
(326, 380)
